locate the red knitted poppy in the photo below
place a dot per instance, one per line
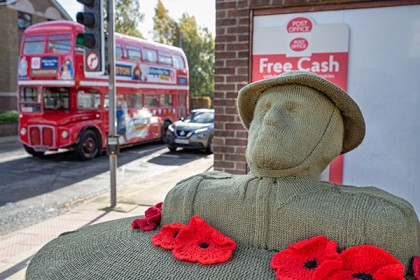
(416, 267)
(151, 218)
(301, 259)
(167, 236)
(199, 242)
(365, 262)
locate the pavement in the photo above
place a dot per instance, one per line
(17, 248)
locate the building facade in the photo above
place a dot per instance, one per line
(376, 46)
(234, 23)
(15, 16)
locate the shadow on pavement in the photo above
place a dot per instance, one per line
(177, 158)
(31, 176)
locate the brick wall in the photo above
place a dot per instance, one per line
(9, 50)
(231, 74)
(232, 65)
(8, 57)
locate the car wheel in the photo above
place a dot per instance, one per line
(32, 152)
(172, 148)
(87, 147)
(209, 148)
(164, 130)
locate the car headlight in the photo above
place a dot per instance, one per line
(64, 134)
(171, 128)
(201, 130)
(23, 131)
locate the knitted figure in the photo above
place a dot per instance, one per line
(298, 123)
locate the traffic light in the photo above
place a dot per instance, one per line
(93, 37)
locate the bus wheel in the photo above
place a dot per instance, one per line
(164, 130)
(32, 152)
(87, 147)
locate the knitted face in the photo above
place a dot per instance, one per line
(289, 122)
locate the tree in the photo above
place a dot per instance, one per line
(128, 17)
(163, 25)
(197, 43)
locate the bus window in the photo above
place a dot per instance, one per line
(133, 53)
(55, 98)
(135, 100)
(28, 94)
(179, 62)
(165, 59)
(150, 55)
(118, 51)
(151, 101)
(59, 44)
(106, 102)
(29, 100)
(166, 100)
(34, 45)
(88, 100)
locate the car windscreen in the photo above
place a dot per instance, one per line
(202, 117)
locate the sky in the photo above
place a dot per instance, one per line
(203, 11)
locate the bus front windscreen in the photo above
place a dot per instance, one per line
(55, 98)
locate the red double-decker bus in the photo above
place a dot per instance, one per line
(62, 106)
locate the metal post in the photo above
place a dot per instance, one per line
(112, 99)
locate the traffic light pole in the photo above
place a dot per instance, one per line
(112, 99)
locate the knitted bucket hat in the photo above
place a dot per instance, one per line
(354, 125)
(216, 225)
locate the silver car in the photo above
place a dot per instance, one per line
(193, 132)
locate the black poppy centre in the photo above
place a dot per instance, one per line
(363, 276)
(204, 245)
(311, 264)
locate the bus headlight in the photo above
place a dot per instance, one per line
(64, 134)
(23, 131)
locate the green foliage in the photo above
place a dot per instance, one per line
(9, 116)
(197, 43)
(163, 25)
(199, 102)
(128, 17)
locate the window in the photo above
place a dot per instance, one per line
(119, 99)
(179, 62)
(24, 20)
(133, 53)
(34, 45)
(150, 55)
(165, 59)
(166, 100)
(118, 51)
(29, 95)
(59, 44)
(106, 102)
(151, 101)
(135, 100)
(29, 100)
(55, 98)
(88, 100)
